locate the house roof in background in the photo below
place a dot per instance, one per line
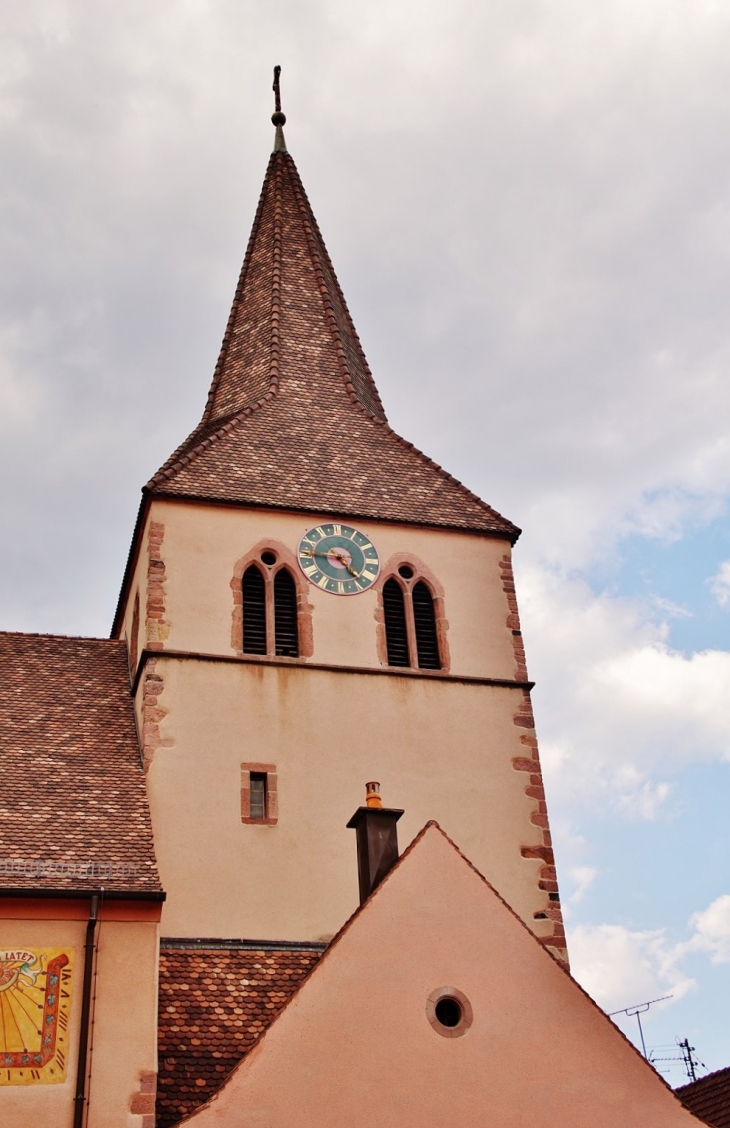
(709, 1098)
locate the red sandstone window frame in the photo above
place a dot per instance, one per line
(272, 794)
(465, 1020)
(423, 574)
(286, 559)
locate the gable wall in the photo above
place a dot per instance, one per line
(355, 1046)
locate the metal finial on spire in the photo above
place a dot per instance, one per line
(278, 118)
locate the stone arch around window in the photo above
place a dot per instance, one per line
(421, 574)
(284, 559)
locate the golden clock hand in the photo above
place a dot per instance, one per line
(342, 560)
(337, 556)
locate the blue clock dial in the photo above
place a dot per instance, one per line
(338, 559)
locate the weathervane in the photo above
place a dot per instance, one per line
(278, 118)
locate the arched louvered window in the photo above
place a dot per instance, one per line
(424, 621)
(286, 633)
(411, 624)
(254, 611)
(396, 630)
(270, 610)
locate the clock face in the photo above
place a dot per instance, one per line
(339, 559)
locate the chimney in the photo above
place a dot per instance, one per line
(377, 840)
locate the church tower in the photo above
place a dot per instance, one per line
(311, 603)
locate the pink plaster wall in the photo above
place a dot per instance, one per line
(355, 1048)
(123, 1039)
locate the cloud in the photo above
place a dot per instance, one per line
(618, 710)
(670, 609)
(544, 317)
(620, 967)
(712, 930)
(720, 584)
(581, 877)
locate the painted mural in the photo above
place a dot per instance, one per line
(35, 1009)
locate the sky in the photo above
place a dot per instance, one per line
(527, 205)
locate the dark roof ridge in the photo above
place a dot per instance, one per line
(209, 944)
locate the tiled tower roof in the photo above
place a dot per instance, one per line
(293, 418)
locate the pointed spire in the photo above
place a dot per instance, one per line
(293, 418)
(278, 118)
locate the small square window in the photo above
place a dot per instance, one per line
(259, 794)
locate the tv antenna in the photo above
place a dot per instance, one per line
(686, 1056)
(636, 1011)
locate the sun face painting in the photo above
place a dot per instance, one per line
(35, 1008)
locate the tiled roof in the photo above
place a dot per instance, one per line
(709, 1098)
(293, 418)
(214, 1003)
(73, 808)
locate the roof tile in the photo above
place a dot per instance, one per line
(76, 814)
(709, 1098)
(214, 1004)
(293, 418)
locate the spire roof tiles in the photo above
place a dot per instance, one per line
(293, 418)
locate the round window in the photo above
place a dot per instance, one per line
(268, 557)
(449, 1012)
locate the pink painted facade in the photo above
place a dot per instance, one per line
(355, 1045)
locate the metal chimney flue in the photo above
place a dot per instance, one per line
(377, 839)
